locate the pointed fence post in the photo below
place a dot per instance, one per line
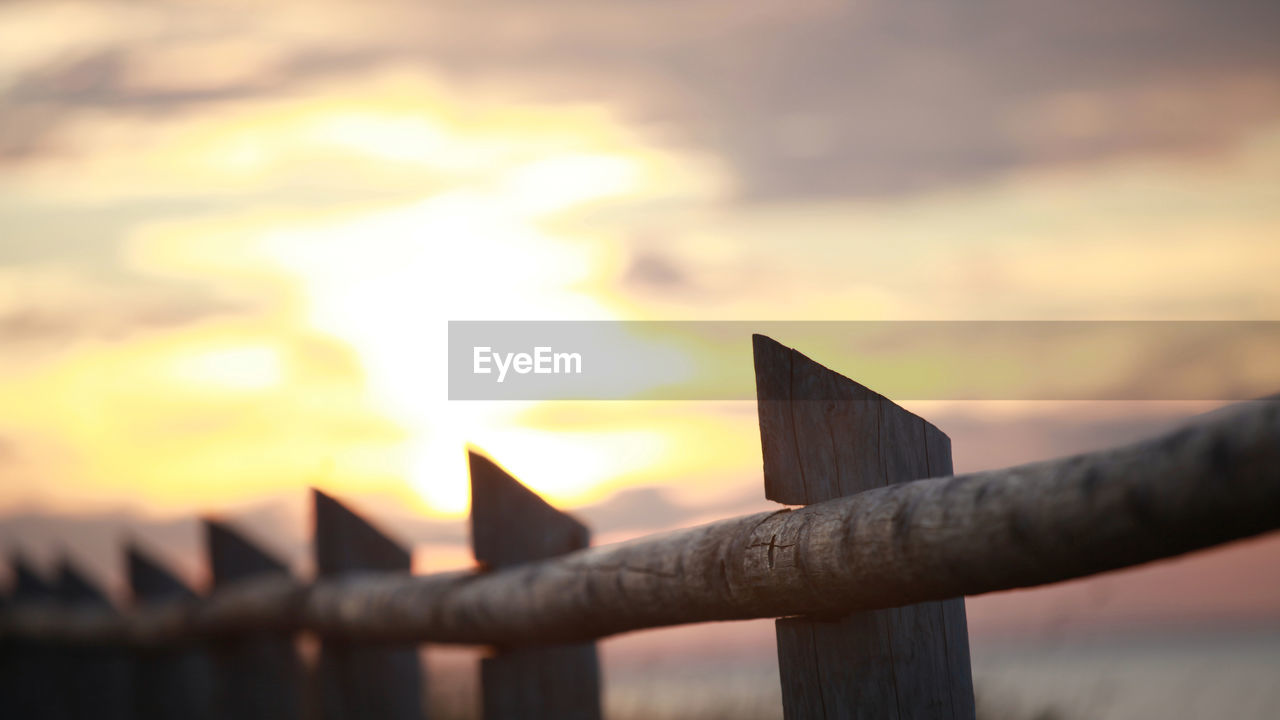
(172, 682)
(258, 676)
(358, 681)
(824, 436)
(34, 673)
(511, 525)
(98, 680)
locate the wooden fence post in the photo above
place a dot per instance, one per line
(172, 682)
(257, 677)
(33, 666)
(98, 680)
(359, 681)
(511, 525)
(824, 436)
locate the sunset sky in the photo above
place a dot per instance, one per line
(232, 234)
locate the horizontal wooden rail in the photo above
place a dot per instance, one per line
(1215, 480)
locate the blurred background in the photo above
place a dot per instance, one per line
(231, 236)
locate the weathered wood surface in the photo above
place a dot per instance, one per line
(542, 681)
(355, 680)
(824, 436)
(510, 526)
(258, 675)
(172, 680)
(97, 681)
(1215, 480)
(912, 542)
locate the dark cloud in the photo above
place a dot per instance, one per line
(651, 271)
(884, 97)
(110, 317)
(888, 97)
(640, 508)
(845, 99)
(91, 79)
(26, 130)
(647, 509)
(30, 325)
(102, 79)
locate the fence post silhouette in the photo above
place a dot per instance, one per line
(511, 525)
(359, 681)
(98, 680)
(33, 665)
(171, 682)
(824, 436)
(258, 676)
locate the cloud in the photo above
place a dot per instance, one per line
(191, 117)
(641, 508)
(813, 99)
(46, 307)
(651, 271)
(879, 98)
(60, 326)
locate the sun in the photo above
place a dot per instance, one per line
(498, 229)
(387, 281)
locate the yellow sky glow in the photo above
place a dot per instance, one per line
(385, 279)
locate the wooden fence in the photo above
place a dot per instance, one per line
(868, 577)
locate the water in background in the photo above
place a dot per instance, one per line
(1181, 677)
(658, 676)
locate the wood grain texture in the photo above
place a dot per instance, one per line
(834, 666)
(258, 674)
(359, 681)
(824, 436)
(1211, 481)
(511, 525)
(813, 428)
(542, 681)
(173, 680)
